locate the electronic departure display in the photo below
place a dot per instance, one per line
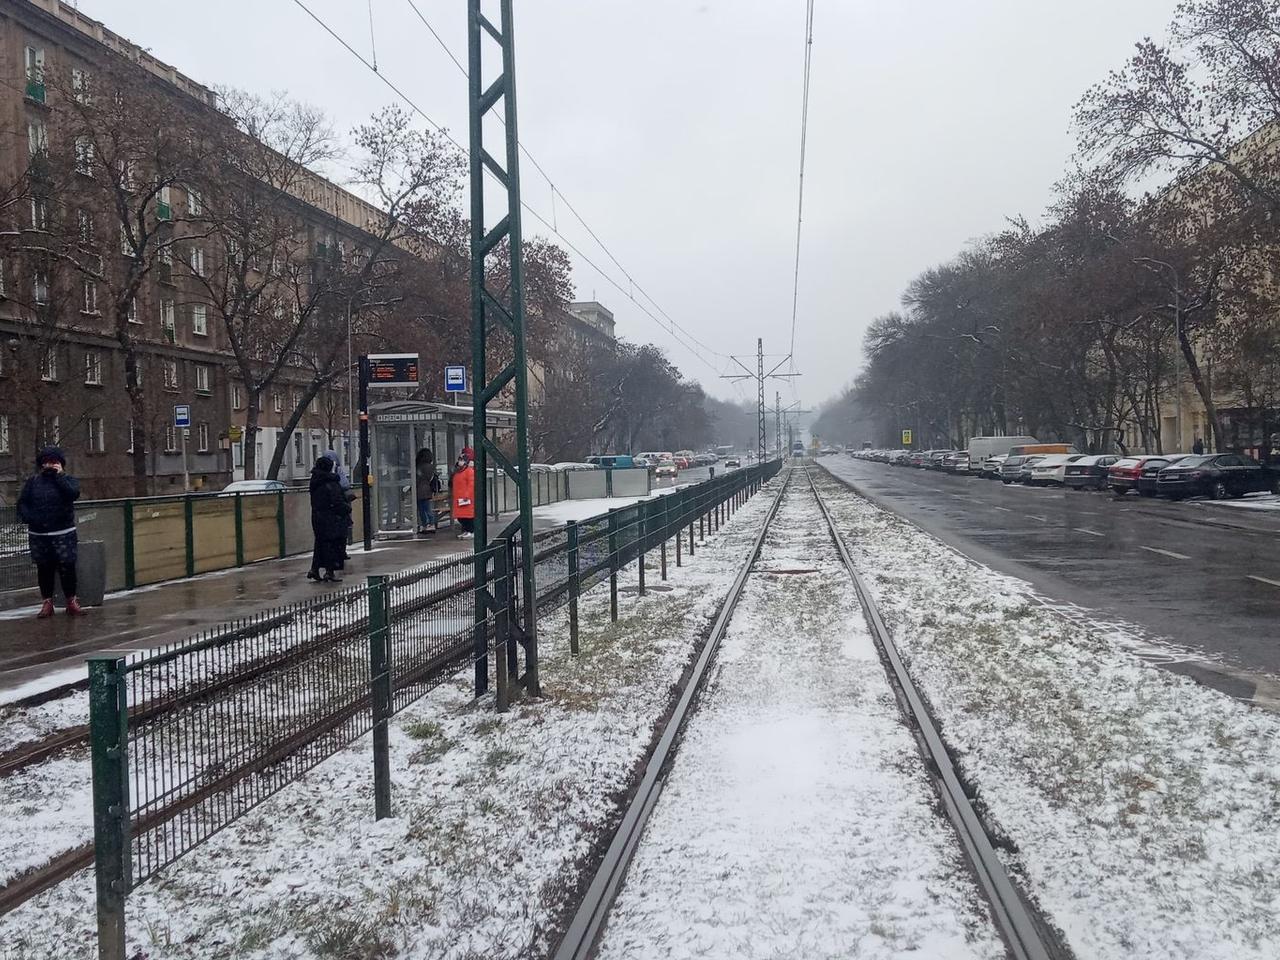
(393, 369)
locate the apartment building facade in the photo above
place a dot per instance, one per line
(62, 366)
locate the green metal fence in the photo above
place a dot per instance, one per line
(186, 739)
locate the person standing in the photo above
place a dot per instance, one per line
(344, 481)
(463, 486)
(428, 482)
(330, 517)
(46, 506)
(1197, 447)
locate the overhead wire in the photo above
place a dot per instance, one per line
(556, 191)
(804, 144)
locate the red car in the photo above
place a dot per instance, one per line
(682, 463)
(1122, 476)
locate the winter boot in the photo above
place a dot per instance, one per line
(46, 610)
(73, 607)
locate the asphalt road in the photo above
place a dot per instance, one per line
(1206, 577)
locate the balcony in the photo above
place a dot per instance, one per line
(163, 211)
(35, 91)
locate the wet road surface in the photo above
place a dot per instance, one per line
(1206, 577)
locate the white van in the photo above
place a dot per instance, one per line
(982, 447)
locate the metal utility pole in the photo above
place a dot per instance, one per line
(488, 309)
(777, 425)
(759, 376)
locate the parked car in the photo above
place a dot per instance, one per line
(254, 486)
(1040, 449)
(1148, 478)
(936, 457)
(1024, 470)
(983, 448)
(1218, 476)
(573, 465)
(900, 459)
(991, 466)
(1088, 473)
(1011, 467)
(957, 462)
(1051, 469)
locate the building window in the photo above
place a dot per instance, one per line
(277, 402)
(40, 287)
(237, 453)
(297, 449)
(168, 323)
(39, 213)
(197, 261)
(236, 399)
(81, 84)
(170, 374)
(4, 433)
(90, 290)
(164, 209)
(126, 167)
(170, 439)
(86, 227)
(97, 437)
(199, 319)
(50, 430)
(131, 313)
(84, 156)
(129, 449)
(49, 365)
(93, 367)
(202, 378)
(202, 436)
(126, 242)
(37, 138)
(195, 205)
(35, 73)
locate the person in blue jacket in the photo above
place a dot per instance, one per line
(47, 506)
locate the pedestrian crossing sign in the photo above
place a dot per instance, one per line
(906, 438)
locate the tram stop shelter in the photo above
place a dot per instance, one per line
(398, 429)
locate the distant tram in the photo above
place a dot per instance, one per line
(797, 448)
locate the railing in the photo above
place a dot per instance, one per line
(187, 739)
(153, 539)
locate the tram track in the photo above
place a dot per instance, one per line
(1024, 932)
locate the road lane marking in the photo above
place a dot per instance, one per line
(1005, 509)
(1274, 583)
(1092, 533)
(1041, 519)
(1166, 553)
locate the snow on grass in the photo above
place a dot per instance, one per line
(797, 820)
(1143, 809)
(493, 814)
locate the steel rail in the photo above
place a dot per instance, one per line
(1021, 929)
(584, 929)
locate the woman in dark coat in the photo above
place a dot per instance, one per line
(330, 517)
(46, 506)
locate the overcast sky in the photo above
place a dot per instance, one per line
(672, 126)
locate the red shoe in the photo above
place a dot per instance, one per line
(73, 608)
(46, 610)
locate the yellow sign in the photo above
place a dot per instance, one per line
(906, 438)
(234, 433)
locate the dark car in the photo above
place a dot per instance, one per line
(936, 459)
(1010, 469)
(1150, 473)
(1219, 476)
(1122, 476)
(1088, 473)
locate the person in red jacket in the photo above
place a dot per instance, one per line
(463, 486)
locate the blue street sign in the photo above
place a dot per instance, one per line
(182, 414)
(455, 379)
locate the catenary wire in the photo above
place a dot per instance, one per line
(804, 143)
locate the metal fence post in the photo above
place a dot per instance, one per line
(239, 530)
(666, 535)
(109, 750)
(280, 521)
(575, 587)
(613, 566)
(188, 516)
(502, 592)
(641, 517)
(380, 693)
(130, 568)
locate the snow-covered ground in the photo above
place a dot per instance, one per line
(493, 815)
(797, 820)
(1141, 809)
